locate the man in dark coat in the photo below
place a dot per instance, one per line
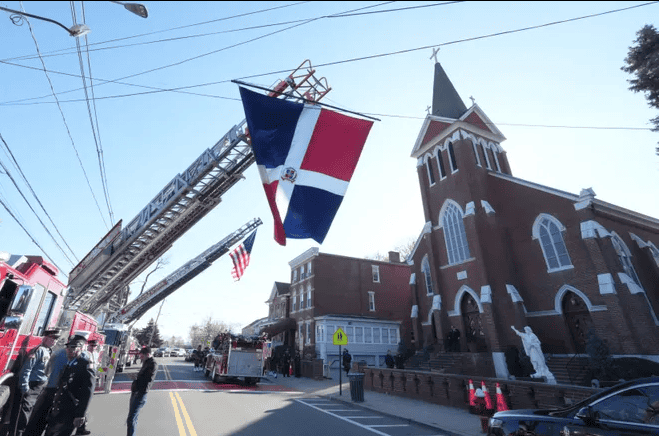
(140, 388)
(347, 359)
(74, 392)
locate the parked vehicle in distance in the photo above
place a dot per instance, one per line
(188, 354)
(629, 408)
(173, 352)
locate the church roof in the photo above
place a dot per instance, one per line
(446, 101)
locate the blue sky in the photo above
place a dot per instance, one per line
(556, 92)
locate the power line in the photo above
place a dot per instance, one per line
(64, 120)
(34, 194)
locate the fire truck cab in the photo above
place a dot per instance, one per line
(31, 300)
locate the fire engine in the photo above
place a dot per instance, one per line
(33, 299)
(236, 357)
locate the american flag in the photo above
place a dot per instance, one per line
(240, 256)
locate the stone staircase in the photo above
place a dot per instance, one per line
(568, 370)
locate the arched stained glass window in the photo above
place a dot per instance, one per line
(553, 246)
(455, 236)
(625, 257)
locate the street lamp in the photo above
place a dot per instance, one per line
(76, 31)
(136, 8)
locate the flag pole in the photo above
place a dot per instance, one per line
(238, 82)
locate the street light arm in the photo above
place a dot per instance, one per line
(39, 18)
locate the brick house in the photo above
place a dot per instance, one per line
(498, 251)
(369, 299)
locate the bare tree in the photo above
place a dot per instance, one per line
(202, 334)
(160, 264)
(405, 249)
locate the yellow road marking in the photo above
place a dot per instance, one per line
(188, 421)
(179, 421)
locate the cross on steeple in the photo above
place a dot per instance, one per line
(473, 100)
(434, 53)
(428, 110)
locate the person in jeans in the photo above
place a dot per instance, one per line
(140, 388)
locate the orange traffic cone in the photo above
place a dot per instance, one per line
(472, 394)
(488, 400)
(501, 401)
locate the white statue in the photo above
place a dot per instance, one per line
(534, 351)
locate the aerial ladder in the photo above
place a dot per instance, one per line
(119, 325)
(99, 283)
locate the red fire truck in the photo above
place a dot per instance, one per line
(236, 357)
(31, 300)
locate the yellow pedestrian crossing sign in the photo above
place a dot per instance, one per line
(339, 337)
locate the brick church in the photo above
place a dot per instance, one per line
(498, 251)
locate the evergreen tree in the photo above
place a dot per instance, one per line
(144, 335)
(643, 61)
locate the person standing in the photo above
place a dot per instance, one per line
(347, 358)
(196, 357)
(74, 391)
(37, 423)
(90, 355)
(389, 360)
(31, 380)
(140, 388)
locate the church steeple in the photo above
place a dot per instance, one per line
(445, 99)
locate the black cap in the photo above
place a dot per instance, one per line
(53, 332)
(77, 339)
(145, 350)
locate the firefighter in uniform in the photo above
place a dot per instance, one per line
(32, 379)
(74, 391)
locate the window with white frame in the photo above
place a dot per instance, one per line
(295, 275)
(625, 257)
(293, 303)
(478, 159)
(309, 296)
(350, 334)
(425, 268)
(301, 334)
(359, 335)
(496, 159)
(320, 333)
(549, 231)
(431, 172)
(308, 341)
(302, 272)
(376, 335)
(302, 304)
(376, 273)
(393, 336)
(329, 333)
(485, 157)
(371, 301)
(368, 335)
(385, 336)
(451, 156)
(455, 236)
(440, 164)
(309, 269)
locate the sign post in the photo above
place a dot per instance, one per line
(340, 338)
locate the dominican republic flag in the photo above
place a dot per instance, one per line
(306, 156)
(240, 256)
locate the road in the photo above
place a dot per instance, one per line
(184, 403)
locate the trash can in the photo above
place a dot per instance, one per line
(356, 386)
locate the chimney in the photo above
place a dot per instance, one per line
(394, 257)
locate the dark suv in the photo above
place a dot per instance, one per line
(628, 409)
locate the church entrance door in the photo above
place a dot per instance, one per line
(473, 325)
(578, 320)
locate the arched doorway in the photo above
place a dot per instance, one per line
(473, 325)
(578, 320)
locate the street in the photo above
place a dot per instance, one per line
(184, 403)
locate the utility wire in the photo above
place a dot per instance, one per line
(31, 237)
(94, 126)
(34, 194)
(64, 119)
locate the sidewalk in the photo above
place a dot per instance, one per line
(457, 422)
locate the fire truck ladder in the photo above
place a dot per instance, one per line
(179, 206)
(140, 305)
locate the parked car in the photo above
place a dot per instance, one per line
(173, 352)
(188, 354)
(629, 408)
(159, 352)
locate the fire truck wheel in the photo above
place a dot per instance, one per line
(215, 377)
(207, 373)
(4, 395)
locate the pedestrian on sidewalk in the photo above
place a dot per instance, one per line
(91, 354)
(196, 358)
(140, 388)
(74, 391)
(347, 358)
(389, 360)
